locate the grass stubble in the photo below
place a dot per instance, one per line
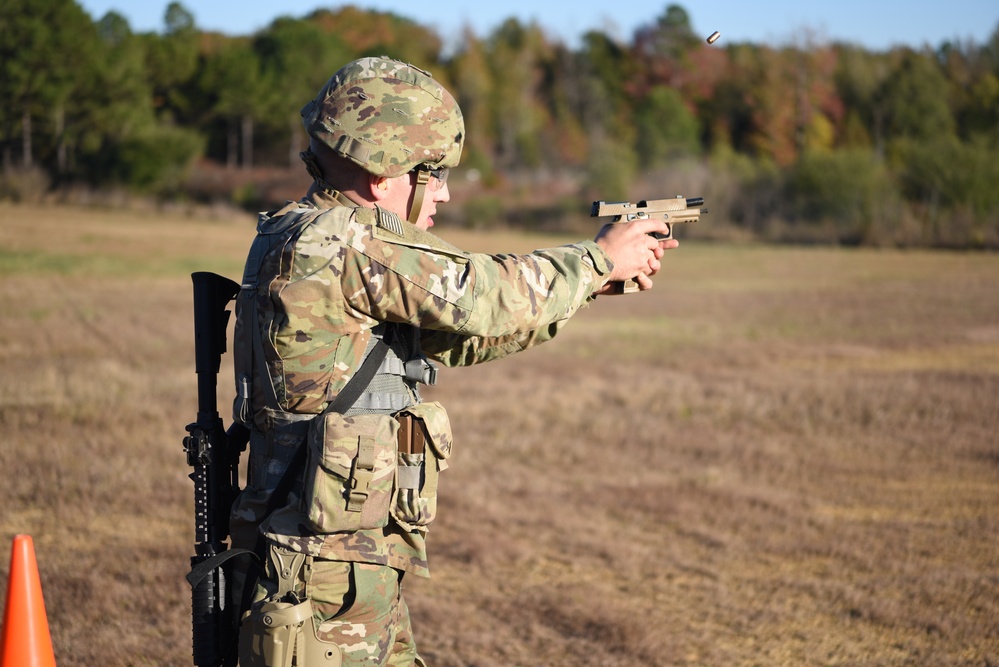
(780, 456)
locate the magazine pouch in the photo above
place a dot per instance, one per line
(424, 444)
(350, 472)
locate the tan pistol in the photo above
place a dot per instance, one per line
(679, 209)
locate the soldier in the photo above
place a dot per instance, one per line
(351, 274)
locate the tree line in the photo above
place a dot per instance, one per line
(809, 141)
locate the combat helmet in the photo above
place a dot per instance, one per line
(389, 118)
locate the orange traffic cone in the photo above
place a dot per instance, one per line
(26, 641)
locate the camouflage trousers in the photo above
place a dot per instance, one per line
(357, 610)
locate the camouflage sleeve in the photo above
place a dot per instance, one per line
(416, 278)
(453, 349)
(539, 290)
(347, 270)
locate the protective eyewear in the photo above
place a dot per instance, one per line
(440, 176)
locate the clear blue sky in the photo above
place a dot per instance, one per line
(872, 23)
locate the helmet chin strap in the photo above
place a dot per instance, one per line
(422, 178)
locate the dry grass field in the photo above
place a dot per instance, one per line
(780, 456)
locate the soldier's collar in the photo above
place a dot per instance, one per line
(378, 216)
(322, 198)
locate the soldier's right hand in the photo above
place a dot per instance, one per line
(633, 252)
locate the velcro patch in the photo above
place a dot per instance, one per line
(389, 221)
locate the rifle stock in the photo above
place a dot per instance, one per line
(214, 455)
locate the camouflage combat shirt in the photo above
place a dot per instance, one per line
(322, 291)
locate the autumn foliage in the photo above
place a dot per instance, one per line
(808, 141)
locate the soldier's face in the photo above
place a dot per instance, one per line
(398, 194)
(437, 193)
(401, 192)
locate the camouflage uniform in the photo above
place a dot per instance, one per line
(333, 275)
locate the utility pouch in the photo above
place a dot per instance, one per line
(424, 445)
(350, 472)
(274, 632)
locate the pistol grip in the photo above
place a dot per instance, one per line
(623, 286)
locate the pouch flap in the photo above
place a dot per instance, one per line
(438, 426)
(339, 442)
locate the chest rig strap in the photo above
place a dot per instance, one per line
(395, 385)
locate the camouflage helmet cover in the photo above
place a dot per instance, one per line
(387, 116)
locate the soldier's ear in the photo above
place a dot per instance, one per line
(379, 186)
